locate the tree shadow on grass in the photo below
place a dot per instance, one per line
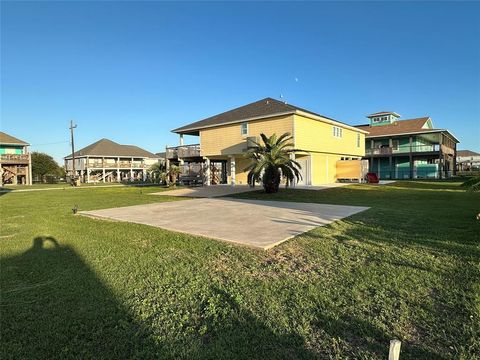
(54, 306)
(4, 191)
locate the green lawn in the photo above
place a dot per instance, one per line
(61, 185)
(408, 268)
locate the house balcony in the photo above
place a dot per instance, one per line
(14, 158)
(388, 150)
(183, 151)
(116, 165)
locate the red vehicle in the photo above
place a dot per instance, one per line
(372, 178)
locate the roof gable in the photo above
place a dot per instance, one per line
(10, 140)
(264, 108)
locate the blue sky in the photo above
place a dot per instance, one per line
(132, 71)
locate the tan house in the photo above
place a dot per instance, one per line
(108, 161)
(224, 139)
(15, 161)
(468, 160)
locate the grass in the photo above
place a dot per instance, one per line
(62, 185)
(408, 268)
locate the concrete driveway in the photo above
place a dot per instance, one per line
(261, 224)
(206, 191)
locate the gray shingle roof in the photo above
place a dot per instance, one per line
(9, 139)
(465, 153)
(267, 107)
(106, 147)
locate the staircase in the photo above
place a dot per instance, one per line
(100, 177)
(9, 172)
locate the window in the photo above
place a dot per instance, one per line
(358, 140)
(337, 131)
(395, 144)
(244, 129)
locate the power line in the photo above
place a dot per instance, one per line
(52, 143)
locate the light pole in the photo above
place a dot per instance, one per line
(72, 126)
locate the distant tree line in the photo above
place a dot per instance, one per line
(45, 169)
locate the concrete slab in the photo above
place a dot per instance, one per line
(207, 191)
(261, 224)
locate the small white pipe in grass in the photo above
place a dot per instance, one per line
(394, 353)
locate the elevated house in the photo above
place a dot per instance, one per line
(408, 149)
(468, 160)
(15, 161)
(108, 161)
(223, 140)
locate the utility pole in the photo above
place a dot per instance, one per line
(73, 147)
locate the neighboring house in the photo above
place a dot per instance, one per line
(161, 157)
(108, 161)
(15, 161)
(468, 160)
(408, 149)
(224, 139)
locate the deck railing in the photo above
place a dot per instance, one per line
(14, 158)
(183, 151)
(115, 165)
(402, 149)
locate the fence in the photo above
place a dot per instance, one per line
(417, 174)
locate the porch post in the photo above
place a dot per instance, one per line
(370, 165)
(131, 169)
(181, 139)
(455, 159)
(167, 162)
(103, 169)
(207, 171)
(232, 170)
(87, 164)
(411, 157)
(15, 179)
(390, 160)
(30, 180)
(440, 157)
(118, 170)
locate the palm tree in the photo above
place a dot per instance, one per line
(158, 171)
(173, 172)
(271, 160)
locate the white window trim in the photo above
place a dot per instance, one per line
(241, 129)
(337, 132)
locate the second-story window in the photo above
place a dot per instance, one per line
(337, 131)
(244, 129)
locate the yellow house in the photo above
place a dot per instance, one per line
(224, 139)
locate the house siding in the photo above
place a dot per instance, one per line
(228, 140)
(316, 137)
